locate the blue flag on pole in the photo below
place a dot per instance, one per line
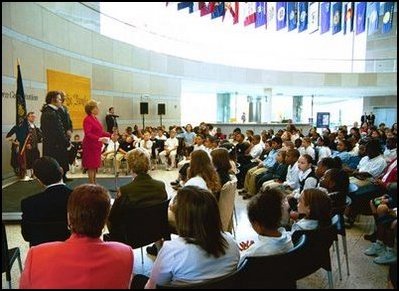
(337, 17)
(325, 15)
(292, 12)
(281, 12)
(218, 10)
(361, 17)
(260, 14)
(183, 5)
(374, 12)
(303, 16)
(387, 18)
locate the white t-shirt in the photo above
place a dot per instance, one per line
(374, 166)
(180, 263)
(197, 181)
(267, 246)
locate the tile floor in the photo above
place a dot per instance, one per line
(363, 272)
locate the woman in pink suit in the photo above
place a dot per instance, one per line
(83, 261)
(94, 137)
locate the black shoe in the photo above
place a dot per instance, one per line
(152, 250)
(174, 183)
(371, 237)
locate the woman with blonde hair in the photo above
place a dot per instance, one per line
(94, 137)
(202, 173)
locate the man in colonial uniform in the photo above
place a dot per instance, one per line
(26, 145)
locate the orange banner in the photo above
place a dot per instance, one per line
(78, 92)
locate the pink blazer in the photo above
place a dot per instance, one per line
(93, 130)
(79, 262)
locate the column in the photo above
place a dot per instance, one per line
(251, 112)
(297, 102)
(267, 105)
(223, 107)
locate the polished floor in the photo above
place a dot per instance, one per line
(363, 272)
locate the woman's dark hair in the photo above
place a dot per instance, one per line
(330, 163)
(88, 209)
(320, 205)
(221, 159)
(231, 150)
(265, 208)
(47, 170)
(201, 165)
(198, 220)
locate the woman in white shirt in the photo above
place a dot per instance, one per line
(202, 173)
(315, 207)
(202, 251)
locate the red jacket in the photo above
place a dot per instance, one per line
(93, 130)
(78, 263)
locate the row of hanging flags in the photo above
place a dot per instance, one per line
(301, 16)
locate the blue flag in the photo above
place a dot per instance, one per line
(337, 17)
(374, 13)
(183, 5)
(260, 14)
(281, 12)
(218, 10)
(325, 15)
(361, 17)
(292, 12)
(387, 19)
(303, 16)
(20, 100)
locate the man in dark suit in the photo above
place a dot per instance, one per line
(55, 139)
(49, 205)
(141, 192)
(110, 119)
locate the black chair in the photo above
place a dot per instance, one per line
(270, 272)
(8, 256)
(38, 232)
(339, 223)
(228, 281)
(145, 225)
(315, 254)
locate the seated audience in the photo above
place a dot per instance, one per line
(386, 222)
(315, 207)
(141, 192)
(199, 253)
(83, 261)
(49, 205)
(221, 162)
(202, 173)
(264, 214)
(170, 151)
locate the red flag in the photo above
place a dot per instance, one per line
(233, 11)
(207, 8)
(249, 13)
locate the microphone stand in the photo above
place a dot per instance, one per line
(115, 174)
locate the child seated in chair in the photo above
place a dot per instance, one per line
(265, 213)
(315, 207)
